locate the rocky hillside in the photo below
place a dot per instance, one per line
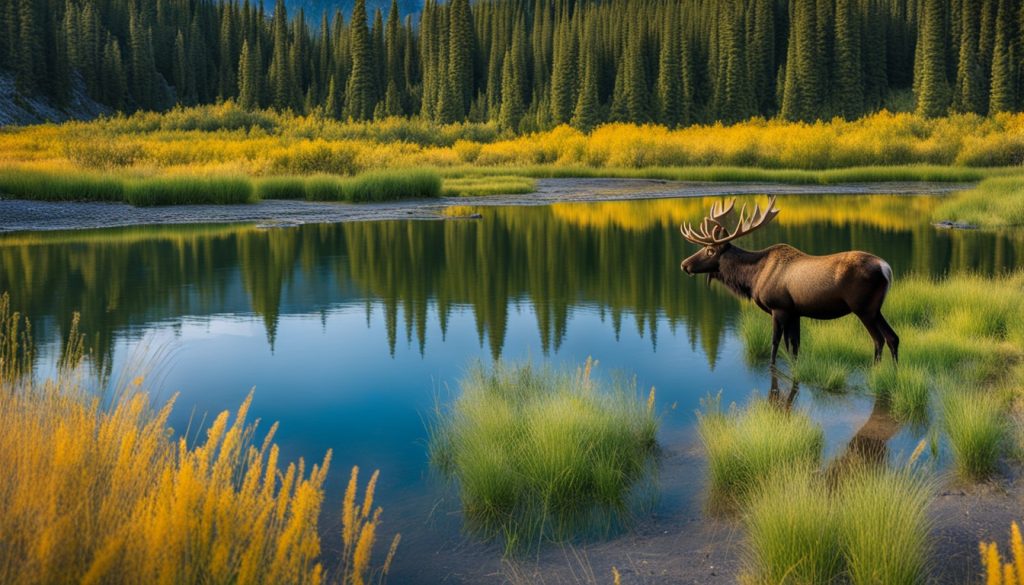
(18, 109)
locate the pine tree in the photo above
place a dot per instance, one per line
(280, 75)
(564, 80)
(586, 115)
(394, 96)
(761, 61)
(143, 69)
(359, 101)
(968, 93)
(460, 57)
(249, 81)
(1004, 59)
(848, 85)
(670, 76)
(28, 49)
(113, 75)
(932, 89)
(227, 85)
(511, 92)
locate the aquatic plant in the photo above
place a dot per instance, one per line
(487, 185)
(542, 454)
(978, 429)
(374, 186)
(746, 445)
(906, 387)
(59, 185)
(1000, 571)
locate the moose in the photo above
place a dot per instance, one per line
(789, 284)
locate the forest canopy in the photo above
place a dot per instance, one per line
(529, 64)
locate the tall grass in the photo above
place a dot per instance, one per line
(1000, 571)
(188, 191)
(977, 424)
(746, 445)
(365, 187)
(487, 185)
(540, 454)
(59, 186)
(996, 202)
(97, 491)
(871, 528)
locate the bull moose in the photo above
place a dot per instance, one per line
(789, 284)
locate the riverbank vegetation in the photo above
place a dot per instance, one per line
(98, 491)
(544, 455)
(995, 203)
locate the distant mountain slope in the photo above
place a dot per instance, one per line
(314, 8)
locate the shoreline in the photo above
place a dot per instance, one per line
(24, 215)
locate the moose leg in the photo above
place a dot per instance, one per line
(778, 325)
(871, 324)
(891, 339)
(792, 332)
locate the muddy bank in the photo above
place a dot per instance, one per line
(16, 215)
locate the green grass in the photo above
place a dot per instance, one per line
(746, 445)
(977, 424)
(541, 454)
(64, 186)
(884, 525)
(188, 191)
(488, 185)
(283, 187)
(937, 173)
(996, 202)
(792, 532)
(907, 387)
(871, 528)
(374, 186)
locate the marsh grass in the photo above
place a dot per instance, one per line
(59, 186)
(977, 424)
(372, 186)
(746, 445)
(996, 202)
(544, 455)
(97, 490)
(188, 191)
(869, 528)
(487, 185)
(282, 187)
(792, 532)
(907, 389)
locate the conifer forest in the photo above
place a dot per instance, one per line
(529, 64)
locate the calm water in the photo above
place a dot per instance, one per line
(351, 333)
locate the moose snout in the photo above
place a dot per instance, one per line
(685, 268)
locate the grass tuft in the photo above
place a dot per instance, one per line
(978, 428)
(745, 446)
(488, 185)
(541, 454)
(995, 202)
(59, 186)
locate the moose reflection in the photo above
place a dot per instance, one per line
(789, 284)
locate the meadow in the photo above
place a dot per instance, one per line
(213, 149)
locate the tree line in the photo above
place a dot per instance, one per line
(529, 64)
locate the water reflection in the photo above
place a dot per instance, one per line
(618, 257)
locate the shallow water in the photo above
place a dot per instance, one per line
(351, 333)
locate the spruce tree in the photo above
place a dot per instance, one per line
(394, 96)
(359, 92)
(113, 76)
(249, 81)
(932, 91)
(29, 48)
(564, 78)
(1004, 61)
(968, 93)
(586, 114)
(670, 76)
(848, 85)
(280, 75)
(511, 92)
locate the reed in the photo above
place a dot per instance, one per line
(189, 191)
(746, 445)
(374, 186)
(487, 185)
(541, 454)
(59, 186)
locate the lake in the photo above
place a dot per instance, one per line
(352, 333)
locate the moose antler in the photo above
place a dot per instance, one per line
(711, 232)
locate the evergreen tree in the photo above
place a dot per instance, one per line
(586, 114)
(968, 93)
(848, 84)
(249, 81)
(932, 90)
(511, 93)
(394, 96)
(359, 100)
(29, 48)
(1004, 60)
(564, 80)
(670, 76)
(113, 75)
(280, 74)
